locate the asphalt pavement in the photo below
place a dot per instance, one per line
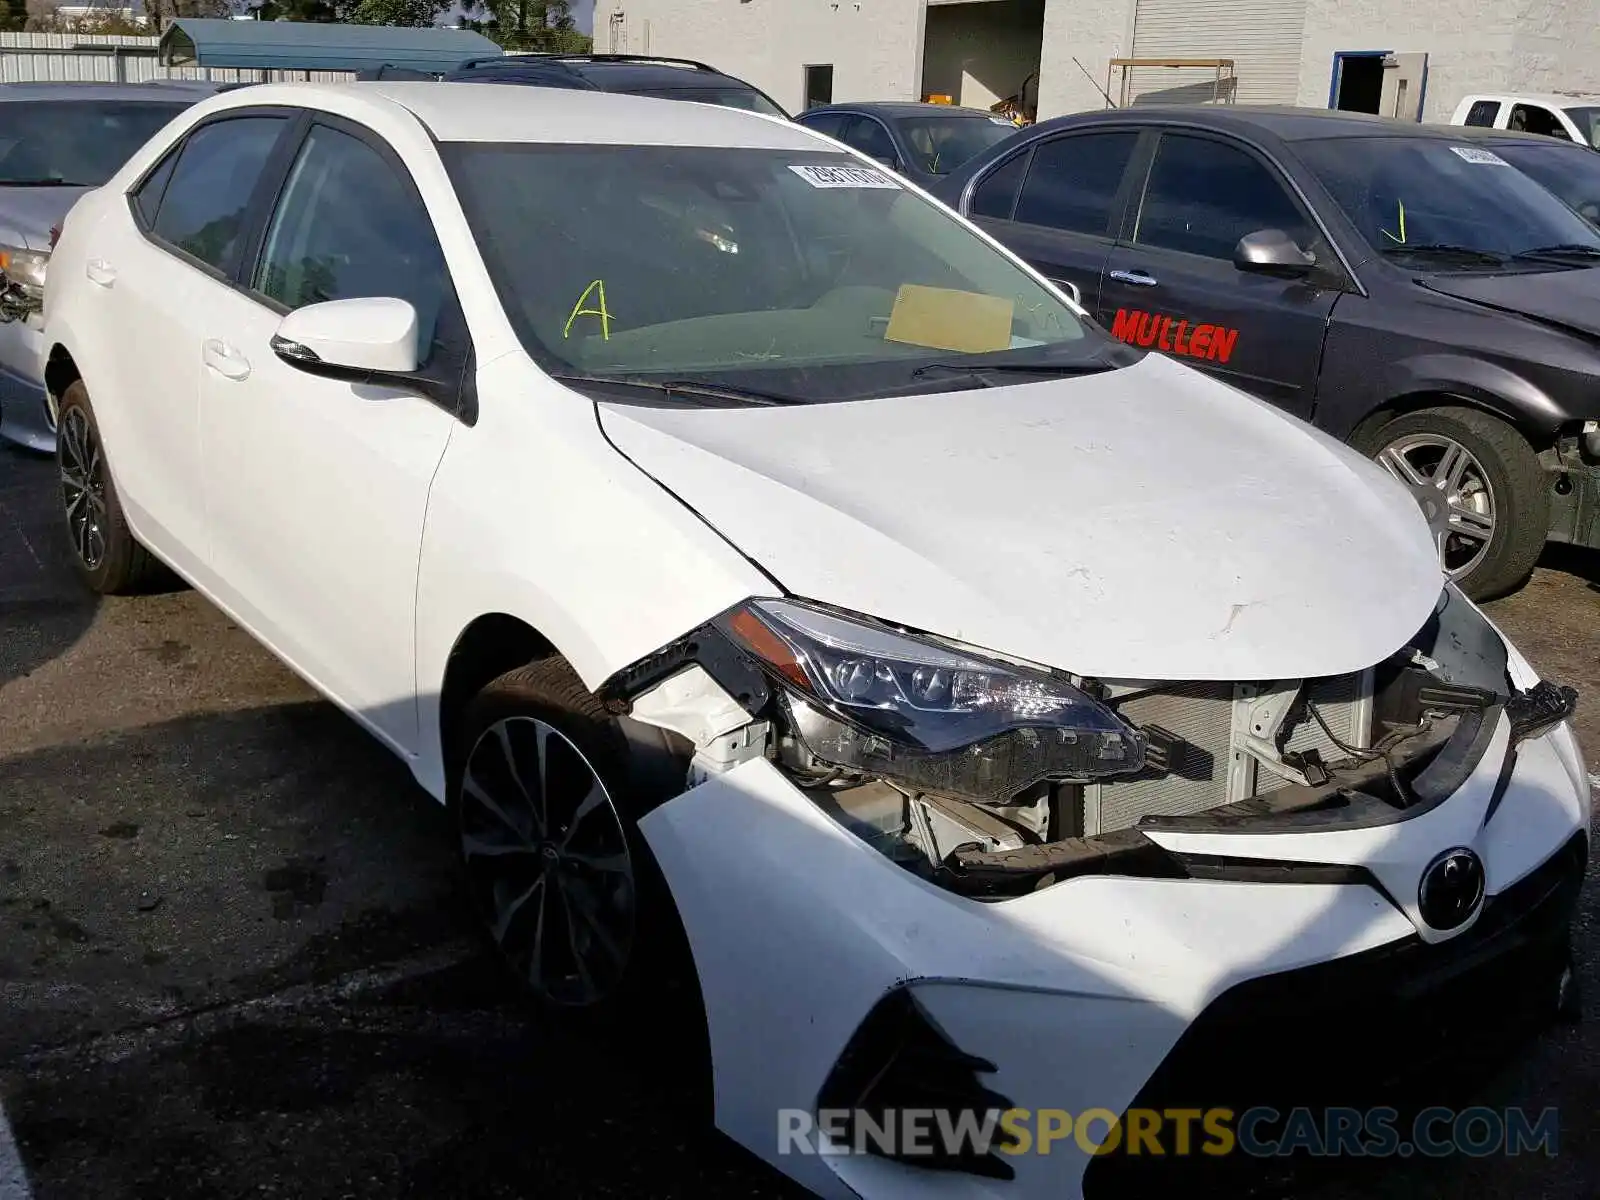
(234, 961)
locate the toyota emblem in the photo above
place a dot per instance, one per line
(1452, 889)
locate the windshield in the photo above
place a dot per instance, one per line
(746, 98)
(1571, 173)
(1587, 118)
(1411, 196)
(798, 271)
(75, 142)
(943, 143)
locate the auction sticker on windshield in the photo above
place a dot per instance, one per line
(844, 177)
(1475, 155)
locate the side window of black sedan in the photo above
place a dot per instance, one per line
(1073, 183)
(996, 193)
(1203, 195)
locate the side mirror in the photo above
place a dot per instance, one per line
(1590, 212)
(1272, 251)
(350, 339)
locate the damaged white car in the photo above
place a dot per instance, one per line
(745, 546)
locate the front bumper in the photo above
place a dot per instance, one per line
(26, 417)
(1092, 994)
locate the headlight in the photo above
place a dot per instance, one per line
(866, 698)
(23, 269)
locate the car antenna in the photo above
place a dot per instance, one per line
(1096, 83)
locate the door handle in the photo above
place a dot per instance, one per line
(1137, 278)
(224, 359)
(100, 271)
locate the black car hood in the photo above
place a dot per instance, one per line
(1567, 298)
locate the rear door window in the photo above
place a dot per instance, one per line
(1483, 113)
(1074, 181)
(203, 208)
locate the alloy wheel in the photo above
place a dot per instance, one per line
(1453, 491)
(83, 487)
(547, 860)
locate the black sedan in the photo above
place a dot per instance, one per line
(1401, 287)
(922, 142)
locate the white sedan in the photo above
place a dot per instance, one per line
(784, 584)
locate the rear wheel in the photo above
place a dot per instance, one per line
(107, 555)
(1480, 486)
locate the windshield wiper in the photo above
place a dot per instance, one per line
(690, 387)
(1082, 366)
(1446, 250)
(42, 183)
(1561, 252)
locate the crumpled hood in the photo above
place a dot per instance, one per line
(27, 213)
(1147, 523)
(1569, 298)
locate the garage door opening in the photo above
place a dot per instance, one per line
(984, 54)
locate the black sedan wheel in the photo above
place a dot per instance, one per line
(1480, 487)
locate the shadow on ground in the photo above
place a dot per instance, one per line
(43, 609)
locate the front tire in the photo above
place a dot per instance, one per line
(1479, 483)
(547, 797)
(107, 555)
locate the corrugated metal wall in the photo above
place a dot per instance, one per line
(1263, 37)
(113, 58)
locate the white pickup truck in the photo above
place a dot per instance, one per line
(1571, 118)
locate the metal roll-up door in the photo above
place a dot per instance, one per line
(1263, 37)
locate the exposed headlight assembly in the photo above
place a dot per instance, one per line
(868, 699)
(22, 274)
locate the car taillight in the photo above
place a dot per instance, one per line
(55, 235)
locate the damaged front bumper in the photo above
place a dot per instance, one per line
(1091, 993)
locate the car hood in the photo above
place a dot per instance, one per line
(1569, 298)
(27, 213)
(1147, 523)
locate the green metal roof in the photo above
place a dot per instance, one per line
(314, 46)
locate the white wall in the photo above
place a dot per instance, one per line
(875, 46)
(1556, 47)
(1094, 32)
(1468, 43)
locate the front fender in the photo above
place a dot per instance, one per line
(533, 514)
(1487, 385)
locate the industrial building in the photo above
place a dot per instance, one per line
(1409, 58)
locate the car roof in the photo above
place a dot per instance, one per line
(621, 71)
(11, 93)
(901, 108)
(487, 112)
(1286, 123)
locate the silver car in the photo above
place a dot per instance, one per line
(57, 141)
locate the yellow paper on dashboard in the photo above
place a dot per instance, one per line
(947, 319)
